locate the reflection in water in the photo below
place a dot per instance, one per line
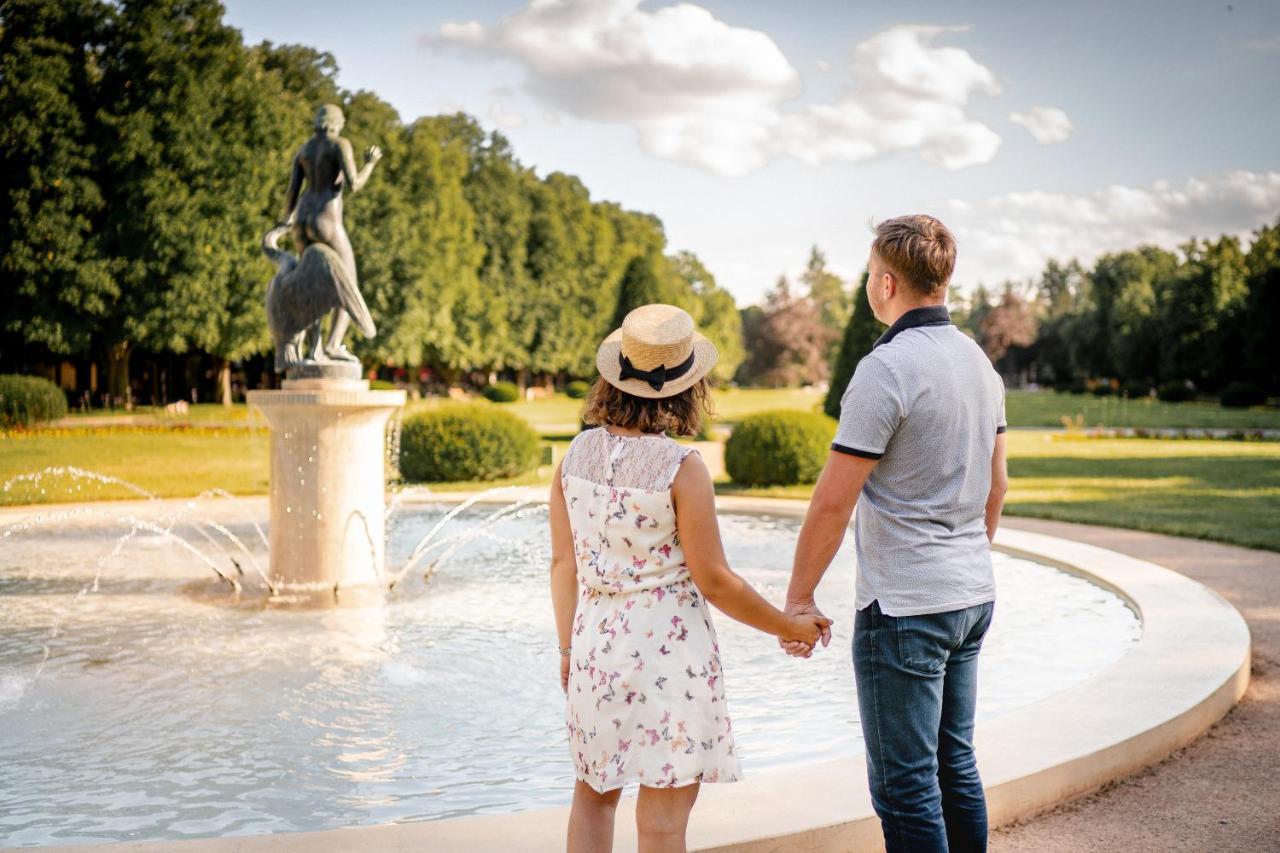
(165, 706)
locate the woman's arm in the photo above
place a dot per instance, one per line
(564, 574)
(695, 507)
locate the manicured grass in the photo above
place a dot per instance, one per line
(1228, 491)
(1048, 408)
(1223, 490)
(169, 463)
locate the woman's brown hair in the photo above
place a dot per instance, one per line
(679, 414)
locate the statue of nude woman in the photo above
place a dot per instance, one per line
(326, 164)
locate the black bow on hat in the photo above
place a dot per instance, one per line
(657, 377)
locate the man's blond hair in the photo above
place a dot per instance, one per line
(919, 249)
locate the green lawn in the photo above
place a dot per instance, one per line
(1048, 408)
(1224, 490)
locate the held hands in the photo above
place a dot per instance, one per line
(808, 626)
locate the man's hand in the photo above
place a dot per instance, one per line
(803, 650)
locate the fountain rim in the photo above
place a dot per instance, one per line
(1188, 669)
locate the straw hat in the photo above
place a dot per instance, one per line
(657, 353)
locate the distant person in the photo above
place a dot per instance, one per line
(920, 450)
(636, 558)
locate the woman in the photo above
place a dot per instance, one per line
(636, 557)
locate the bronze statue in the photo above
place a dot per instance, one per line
(323, 275)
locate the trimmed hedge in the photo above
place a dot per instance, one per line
(1103, 389)
(1242, 395)
(1135, 390)
(502, 392)
(779, 448)
(1175, 392)
(577, 389)
(466, 441)
(27, 400)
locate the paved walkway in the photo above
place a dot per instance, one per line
(1221, 793)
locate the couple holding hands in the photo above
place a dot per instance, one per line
(637, 560)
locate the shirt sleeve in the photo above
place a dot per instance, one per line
(870, 411)
(1002, 423)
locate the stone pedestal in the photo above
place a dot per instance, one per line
(328, 445)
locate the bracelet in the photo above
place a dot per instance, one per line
(564, 653)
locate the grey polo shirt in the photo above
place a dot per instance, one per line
(927, 404)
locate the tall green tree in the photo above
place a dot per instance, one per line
(1200, 317)
(1262, 344)
(860, 335)
(830, 298)
(60, 290)
(713, 310)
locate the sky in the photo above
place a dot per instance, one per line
(757, 129)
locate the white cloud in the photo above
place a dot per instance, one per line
(1011, 236)
(822, 65)
(706, 93)
(907, 94)
(1047, 124)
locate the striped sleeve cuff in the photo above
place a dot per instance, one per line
(853, 451)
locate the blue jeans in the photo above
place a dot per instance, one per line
(917, 689)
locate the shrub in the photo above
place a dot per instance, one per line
(1135, 390)
(27, 400)
(577, 389)
(1175, 392)
(1072, 386)
(1241, 395)
(382, 385)
(779, 448)
(466, 441)
(502, 392)
(1103, 389)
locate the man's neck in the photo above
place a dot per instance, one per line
(907, 309)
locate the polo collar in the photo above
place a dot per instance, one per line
(929, 315)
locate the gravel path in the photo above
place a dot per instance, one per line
(1221, 793)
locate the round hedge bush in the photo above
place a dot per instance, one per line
(1242, 395)
(27, 400)
(577, 389)
(1175, 392)
(1135, 390)
(1103, 389)
(502, 392)
(779, 448)
(466, 441)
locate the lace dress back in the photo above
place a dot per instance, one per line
(646, 692)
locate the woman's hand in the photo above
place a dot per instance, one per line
(564, 674)
(805, 628)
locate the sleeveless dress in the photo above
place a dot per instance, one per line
(646, 696)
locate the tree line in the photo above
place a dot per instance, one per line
(146, 149)
(1200, 319)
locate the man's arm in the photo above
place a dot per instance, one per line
(999, 486)
(825, 523)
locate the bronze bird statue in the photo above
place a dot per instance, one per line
(301, 293)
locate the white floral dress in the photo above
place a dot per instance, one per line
(646, 696)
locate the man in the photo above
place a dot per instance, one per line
(920, 450)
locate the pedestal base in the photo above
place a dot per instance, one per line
(328, 445)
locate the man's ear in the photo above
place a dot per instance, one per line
(890, 284)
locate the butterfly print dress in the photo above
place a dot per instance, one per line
(646, 699)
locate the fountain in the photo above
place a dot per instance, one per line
(327, 428)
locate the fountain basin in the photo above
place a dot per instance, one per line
(1090, 734)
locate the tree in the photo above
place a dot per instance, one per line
(1200, 323)
(1008, 326)
(713, 310)
(860, 335)
(829, 297)
(59, 288)
(786, 343)
(644, 283)
(1262, 344)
